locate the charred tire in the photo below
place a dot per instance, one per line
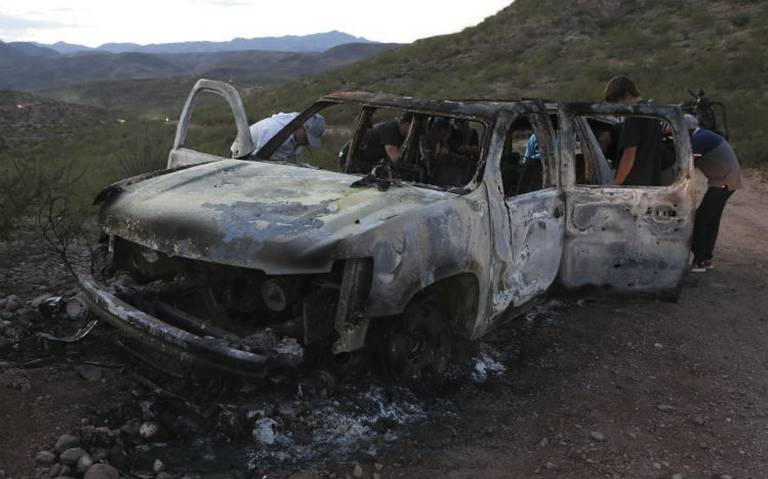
(419, 343)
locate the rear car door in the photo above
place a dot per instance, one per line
(526, 206)
(627, 239)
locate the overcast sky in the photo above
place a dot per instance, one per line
(93, 22)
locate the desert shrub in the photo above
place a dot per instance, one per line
(28, 184)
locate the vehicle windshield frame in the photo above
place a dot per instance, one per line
(484, 113)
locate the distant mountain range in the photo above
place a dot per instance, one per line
(317, 42)
(30, 66)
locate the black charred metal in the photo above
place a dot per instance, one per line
(244, 262)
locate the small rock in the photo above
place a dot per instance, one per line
(597, 436)
(89, 372)
(158, 466)
(45, 457)
(375, 475)
(164, 475)
(75, 308)
(657, 465)
(55, 470)
(51, 308)
(658, 345)
(357, 471)
(65, 470)
(544, 442)
(24, 385)
(101, 471)
(118, 457)
(71, 456)
(35, 304)
(677, 476)
(308, 474)
(12, 303)
(84, 463)
(98, 454)
(665, 408)
(698, 419)
(264, 430)
(378, 466)
(66, 441)
(148, 429)
(550, 465)
(725, 476)
(131, 428)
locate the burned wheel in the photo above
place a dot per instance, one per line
(418, 345)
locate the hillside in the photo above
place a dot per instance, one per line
(28, 67)
(568, 50)
(27, 119)
(316, 42)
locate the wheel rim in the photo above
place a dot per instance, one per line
(419, 344)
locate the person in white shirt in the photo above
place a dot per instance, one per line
(306, 135)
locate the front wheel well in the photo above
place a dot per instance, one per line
(459, 294)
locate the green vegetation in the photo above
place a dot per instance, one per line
(568, 50)
(533, 48)
(56, 151)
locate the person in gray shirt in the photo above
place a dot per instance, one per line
(715, 157)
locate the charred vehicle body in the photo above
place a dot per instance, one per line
(248, 265)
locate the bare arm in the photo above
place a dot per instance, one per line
(625, 165)
(393, 152)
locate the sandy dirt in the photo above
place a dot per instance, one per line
(592, 388)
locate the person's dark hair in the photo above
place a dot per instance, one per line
(620, 87)
(440, 122)
(407, 117)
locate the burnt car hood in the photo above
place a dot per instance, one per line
(278, 218)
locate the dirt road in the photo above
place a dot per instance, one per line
(596, 388)
(669, 388)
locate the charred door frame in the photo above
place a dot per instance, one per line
(243, 146)
(513, 283)
(626, 239)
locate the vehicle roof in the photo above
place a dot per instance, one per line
(478, 109)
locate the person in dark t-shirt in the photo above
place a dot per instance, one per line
(644, 136)
(639, 141)
(383, 140)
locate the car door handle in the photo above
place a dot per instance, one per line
(557, 213)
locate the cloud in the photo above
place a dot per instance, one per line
(224, 3)
(17, 26)
(20, 24)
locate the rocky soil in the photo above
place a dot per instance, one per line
(578, 388)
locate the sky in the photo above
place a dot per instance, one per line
(92, 23)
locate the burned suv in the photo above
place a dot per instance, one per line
(249, 265)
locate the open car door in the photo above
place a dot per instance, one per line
(526, 207)
(625, 239)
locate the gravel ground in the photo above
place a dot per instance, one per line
(587, 388)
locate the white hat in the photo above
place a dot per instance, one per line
(690, 121)
(315, 127)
